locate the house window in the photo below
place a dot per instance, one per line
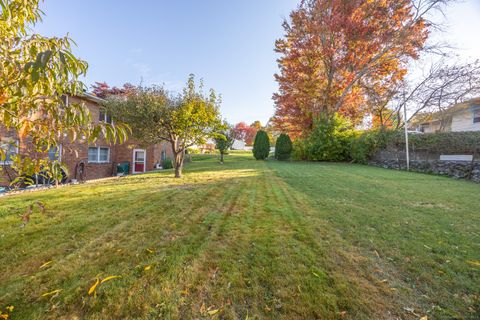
(104, 116)
(476, 115)
(54, 153)
(9, 148)
(64, 99)
(98, 155)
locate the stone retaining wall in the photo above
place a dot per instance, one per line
(456, 169)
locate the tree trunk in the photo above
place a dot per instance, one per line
(178, 159)
(221, 157)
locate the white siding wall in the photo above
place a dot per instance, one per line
(431, 127)
(463, 121)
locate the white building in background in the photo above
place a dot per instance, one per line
(238, 145)
(461, 117)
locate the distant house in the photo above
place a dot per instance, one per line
(460, 117)
(87, 161)
(238, 145)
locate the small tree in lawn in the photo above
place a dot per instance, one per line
(225, 141)
(155, 115)
(261, 146)
(283, 147)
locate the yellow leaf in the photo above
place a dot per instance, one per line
(10, 308)
(213, 312)
(110, 278)
(424, 318)
(45, 264)
(150, 250)
(92, 288)
(3, 316)
(46, 294)
(147, 268)
(474, 262)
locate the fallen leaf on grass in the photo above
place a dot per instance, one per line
(4, 316)
(92, 288)
(45, 264)
(98, 282)
(51, 293)
(213, 312)
(110, 278)
(474, 263)
(10, 308)
(424, 318)
(147, 268)
(150, 250)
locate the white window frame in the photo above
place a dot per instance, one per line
(105, 115)
(476, 110)
(144, 161)
(59, 150)
(17, 150)
(98, 155)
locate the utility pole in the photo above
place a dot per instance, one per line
(407, 151)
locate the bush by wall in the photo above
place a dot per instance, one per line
(330, 140)
(283, 147)
(365, 145)
(167, 163)
(261, 146)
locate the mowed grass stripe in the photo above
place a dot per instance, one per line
(263, 240)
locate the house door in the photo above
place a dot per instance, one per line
(139, 158)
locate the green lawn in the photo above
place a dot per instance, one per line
(247, 240)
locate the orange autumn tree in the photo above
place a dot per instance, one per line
(335, 53)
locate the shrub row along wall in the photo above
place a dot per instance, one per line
(426, 150)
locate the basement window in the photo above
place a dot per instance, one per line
(98, 155)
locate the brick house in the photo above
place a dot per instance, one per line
(92, 161)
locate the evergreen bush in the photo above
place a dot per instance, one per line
(283, 147)
(261, 146)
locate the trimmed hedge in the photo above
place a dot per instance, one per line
(261, 146)
(369, 142)
(283, 147)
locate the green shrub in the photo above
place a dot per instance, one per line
(283, 147)
(167, 163)
(261, 146)
(365, 145)
(329, 140)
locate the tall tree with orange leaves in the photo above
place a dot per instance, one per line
(335, 52)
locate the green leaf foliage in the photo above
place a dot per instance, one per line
(329, 140)
(261, 145)
(367, 143)
(283, 147)
(155, 115)
(35, 72)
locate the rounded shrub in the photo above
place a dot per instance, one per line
(261, 146)
(329, 140)
(283, 147)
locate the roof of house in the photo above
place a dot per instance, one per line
(427, 117)
(91, 97)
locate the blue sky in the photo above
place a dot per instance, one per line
(227, 43)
